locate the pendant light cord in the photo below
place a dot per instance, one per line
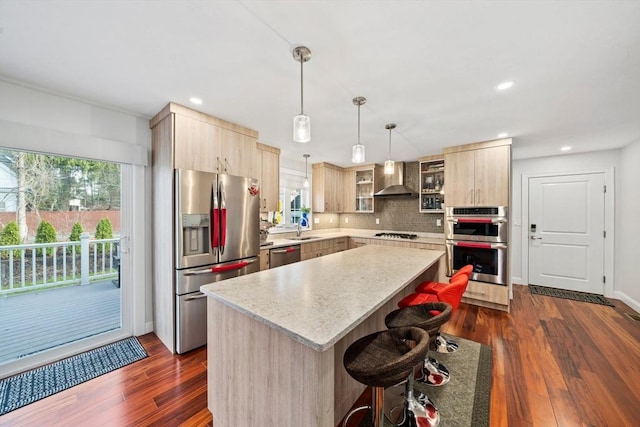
(301, 86)
(358, 124)
(389, 143)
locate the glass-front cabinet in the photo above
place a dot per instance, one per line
(364, 190)
(360, 184)
(432, 184)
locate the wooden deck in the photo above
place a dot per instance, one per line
(39, 321)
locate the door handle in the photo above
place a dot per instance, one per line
(229, 267)
(284, 251)
(535, 238)
(199, 296)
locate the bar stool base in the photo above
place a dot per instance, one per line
(444, 345)
(415, 411)
(434, 373)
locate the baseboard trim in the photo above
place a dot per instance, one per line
(627, 300)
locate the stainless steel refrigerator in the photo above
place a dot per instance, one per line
(217, 236)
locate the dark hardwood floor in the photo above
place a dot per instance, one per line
(556, 362)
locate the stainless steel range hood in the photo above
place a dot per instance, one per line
(394, 184)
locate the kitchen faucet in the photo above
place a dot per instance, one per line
(299, 231)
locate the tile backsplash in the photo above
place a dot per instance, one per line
(398, 214)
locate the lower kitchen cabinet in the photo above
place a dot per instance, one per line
(340, 244)
(264, 259)
(356, 242)
(323, 247)
(487, 295)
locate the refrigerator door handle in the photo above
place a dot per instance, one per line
(199, 295)
(223, 219)
(196, 272)
(215, 220)
(229, 267)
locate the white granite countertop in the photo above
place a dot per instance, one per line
(354, 232)
(319, 301)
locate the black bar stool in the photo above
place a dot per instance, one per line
(429, 317)
(383, 359)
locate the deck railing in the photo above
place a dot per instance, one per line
(46, 265)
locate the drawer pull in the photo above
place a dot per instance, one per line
(475, 293)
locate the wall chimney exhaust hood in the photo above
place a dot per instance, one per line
(394, 184)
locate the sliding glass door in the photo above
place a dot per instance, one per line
(62, 253)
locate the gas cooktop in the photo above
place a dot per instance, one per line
(397, 235)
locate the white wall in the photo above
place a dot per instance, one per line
(34, 120)
(627, 249)
(624, 198)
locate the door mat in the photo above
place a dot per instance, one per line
(38, 383)
(563, 293)
(465, 400)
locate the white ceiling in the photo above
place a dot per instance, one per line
(429, 66)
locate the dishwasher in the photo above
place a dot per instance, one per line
(283, 256)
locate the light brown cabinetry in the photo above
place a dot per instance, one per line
(203, 146)
(348, 190)
(327, 188)
(487, 295)
(356, 242)
(268, 171)
(340, 244)
(322, 247)
(264, 259)
(478, 174)
(185, 138)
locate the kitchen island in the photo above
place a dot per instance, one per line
(276, 338)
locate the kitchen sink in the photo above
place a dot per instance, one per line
(303, 237)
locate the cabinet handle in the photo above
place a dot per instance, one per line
(471, 196)
(218, 164)
(478, 196)
(475, 293)
(226, 163)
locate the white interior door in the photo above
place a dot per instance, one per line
(566, 232)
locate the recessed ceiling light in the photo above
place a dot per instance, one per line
(195, 100)
(565, 148)
(503, 135)
(504, 85)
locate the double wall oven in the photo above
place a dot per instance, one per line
(478, 236)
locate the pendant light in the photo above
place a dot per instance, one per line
(357, 153)
(389, 165)
(301, 122)
(305, 184)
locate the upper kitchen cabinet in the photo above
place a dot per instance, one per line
(360, 184)
(431, 184)
(478, 174)
(268, 169)
(327, 187)
(202, 142)
(348, 190)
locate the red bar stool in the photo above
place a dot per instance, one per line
(383, 359)
(442, 344)
(435, 373)
(435, 287)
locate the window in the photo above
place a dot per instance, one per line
(294, 204)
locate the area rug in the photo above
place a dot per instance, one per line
(36, 384)
(573, 295)
(465, 400)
